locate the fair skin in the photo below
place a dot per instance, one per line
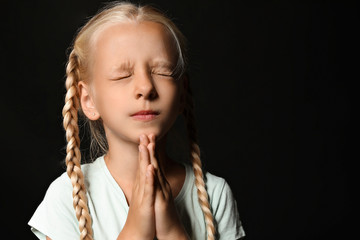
(131, 70)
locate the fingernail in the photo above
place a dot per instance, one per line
(141, 138)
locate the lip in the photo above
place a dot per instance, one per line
(145, 115)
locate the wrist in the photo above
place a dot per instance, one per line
(127, 234)
(175, 234)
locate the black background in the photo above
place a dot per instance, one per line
(274, 85)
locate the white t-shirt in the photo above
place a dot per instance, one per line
(55, 216)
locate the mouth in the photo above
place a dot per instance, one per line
(145, 115)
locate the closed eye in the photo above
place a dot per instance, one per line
(120, 78)
(164, 74)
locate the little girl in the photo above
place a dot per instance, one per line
(127, 74)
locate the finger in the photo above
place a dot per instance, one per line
(151, 137)
(152, 152)
(137, 178)
(144, 161)
(143, 153)
(149, 191)
(144, 140)
(153, 160)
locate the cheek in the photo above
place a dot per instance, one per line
(109, 97)
(172, 96)
(170, 92)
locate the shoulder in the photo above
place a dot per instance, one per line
(61, 189)
(55, 216)
(63, 184)
(55, 211)
(215, 186)
(218, 190)
(59, 193)
(222, 202)
(224, 208)
(58, 187)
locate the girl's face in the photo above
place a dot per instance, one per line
(131, 85)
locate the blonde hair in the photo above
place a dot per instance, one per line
(77, 70)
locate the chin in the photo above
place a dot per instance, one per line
(159, 133)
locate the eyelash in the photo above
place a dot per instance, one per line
(125, 77)
(160, 74)
(163, 74)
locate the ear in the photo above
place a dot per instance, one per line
(184, 85)
(86, 101)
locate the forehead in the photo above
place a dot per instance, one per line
(133, 40)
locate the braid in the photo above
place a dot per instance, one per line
(73, 156)
(197, 166)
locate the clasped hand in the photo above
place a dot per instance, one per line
(152, 210)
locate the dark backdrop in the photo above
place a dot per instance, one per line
(273, 85)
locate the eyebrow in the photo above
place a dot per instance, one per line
(128, 66)
(124, 66)
(163, 64)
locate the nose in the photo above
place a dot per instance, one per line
(145, 88)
